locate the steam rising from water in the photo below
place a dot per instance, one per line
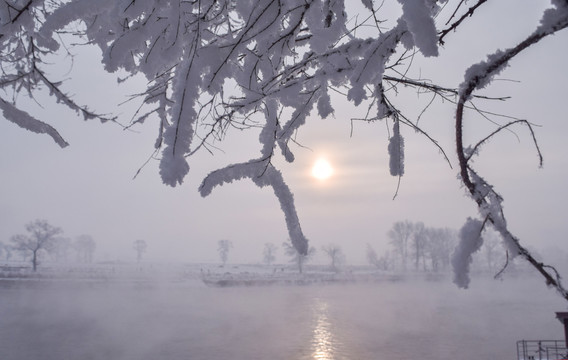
(149, 321)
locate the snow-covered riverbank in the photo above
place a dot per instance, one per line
(209, 274)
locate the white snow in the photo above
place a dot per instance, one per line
(28, 122)
(470, 242)
(421, 25)
(396, 151)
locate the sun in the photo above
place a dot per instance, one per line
(322, 169)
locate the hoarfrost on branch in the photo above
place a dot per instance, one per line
(470, 242)
(213, 65)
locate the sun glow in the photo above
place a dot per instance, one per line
(322, 169)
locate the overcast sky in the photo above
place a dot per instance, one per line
(88, 188)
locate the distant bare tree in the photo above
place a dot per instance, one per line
(441, 243)
(223, 248)
(85, 247)
(430, 248)
(268, 253)
(296, 257)
(61, 247)
(7, 251)
(372, 257)
(140, 247)
(335, 254)
(400, 235)
(419, 242)
(41, 237)
(381, 263)
(492, 250)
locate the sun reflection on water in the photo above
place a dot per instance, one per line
(324, 343)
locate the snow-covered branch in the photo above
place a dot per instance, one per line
(28, 122)
(489, 201)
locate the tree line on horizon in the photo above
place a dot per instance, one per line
(413, 246)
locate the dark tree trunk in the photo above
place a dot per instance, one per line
(34, 261)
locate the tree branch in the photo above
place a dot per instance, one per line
(457, 23)
(479, 189)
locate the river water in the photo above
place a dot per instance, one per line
(187, 320)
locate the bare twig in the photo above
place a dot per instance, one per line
(457, 23)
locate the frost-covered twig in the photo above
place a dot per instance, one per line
(23, 51)
(474, 150)
(28, 122)
(489, 202)
(498, 274)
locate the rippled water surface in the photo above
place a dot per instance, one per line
(402, 320)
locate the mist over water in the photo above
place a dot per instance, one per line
(187, 320)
